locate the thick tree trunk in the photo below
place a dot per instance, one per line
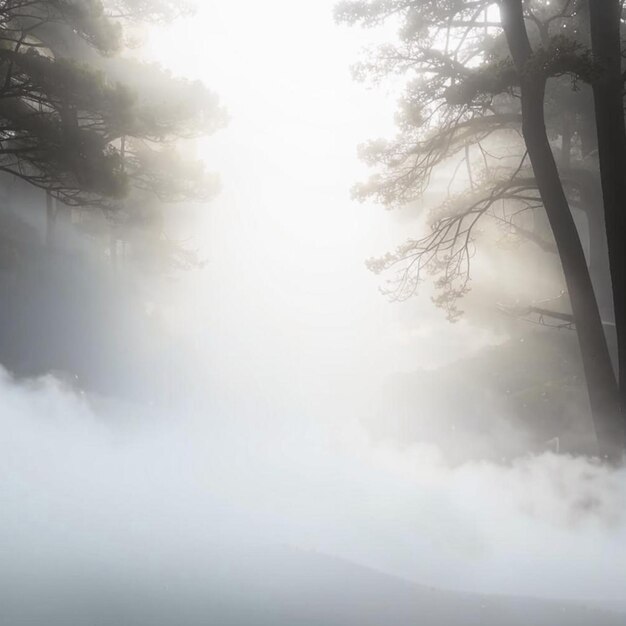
(590, 202)
(599, 268)
(601, 383)
(604, 21)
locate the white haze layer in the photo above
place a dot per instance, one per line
(133, 491)
(288, 347)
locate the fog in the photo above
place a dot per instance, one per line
(106, 505)
(246, 469)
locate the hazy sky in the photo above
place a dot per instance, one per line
(286, 243)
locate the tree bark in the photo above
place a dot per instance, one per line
(51, 216)
(601, 383)
(604, 22)
(599, 267)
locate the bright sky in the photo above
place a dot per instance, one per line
(286, 284)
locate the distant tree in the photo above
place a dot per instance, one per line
(53, 112)
(91, 128)
(167, 111)
(479, 72)
(109, 141)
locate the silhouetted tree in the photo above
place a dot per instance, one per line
(106, 137)
(93, 129)
(534, 68)
(479, 72)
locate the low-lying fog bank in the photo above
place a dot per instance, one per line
(121, 515)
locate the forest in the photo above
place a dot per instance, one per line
(312, 312)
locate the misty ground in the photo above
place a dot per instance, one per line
(113, 514)
(274, 587)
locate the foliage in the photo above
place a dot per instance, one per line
(91, 127)
(460, 101)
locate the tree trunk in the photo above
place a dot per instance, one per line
(51, 216)
(604, 22)
(566, 141)
(601, 383)
(599, 268)
(113, 247)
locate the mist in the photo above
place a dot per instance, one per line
(261, 437)
(185, 505)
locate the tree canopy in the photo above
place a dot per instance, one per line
(459, 122)
(86, 126)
